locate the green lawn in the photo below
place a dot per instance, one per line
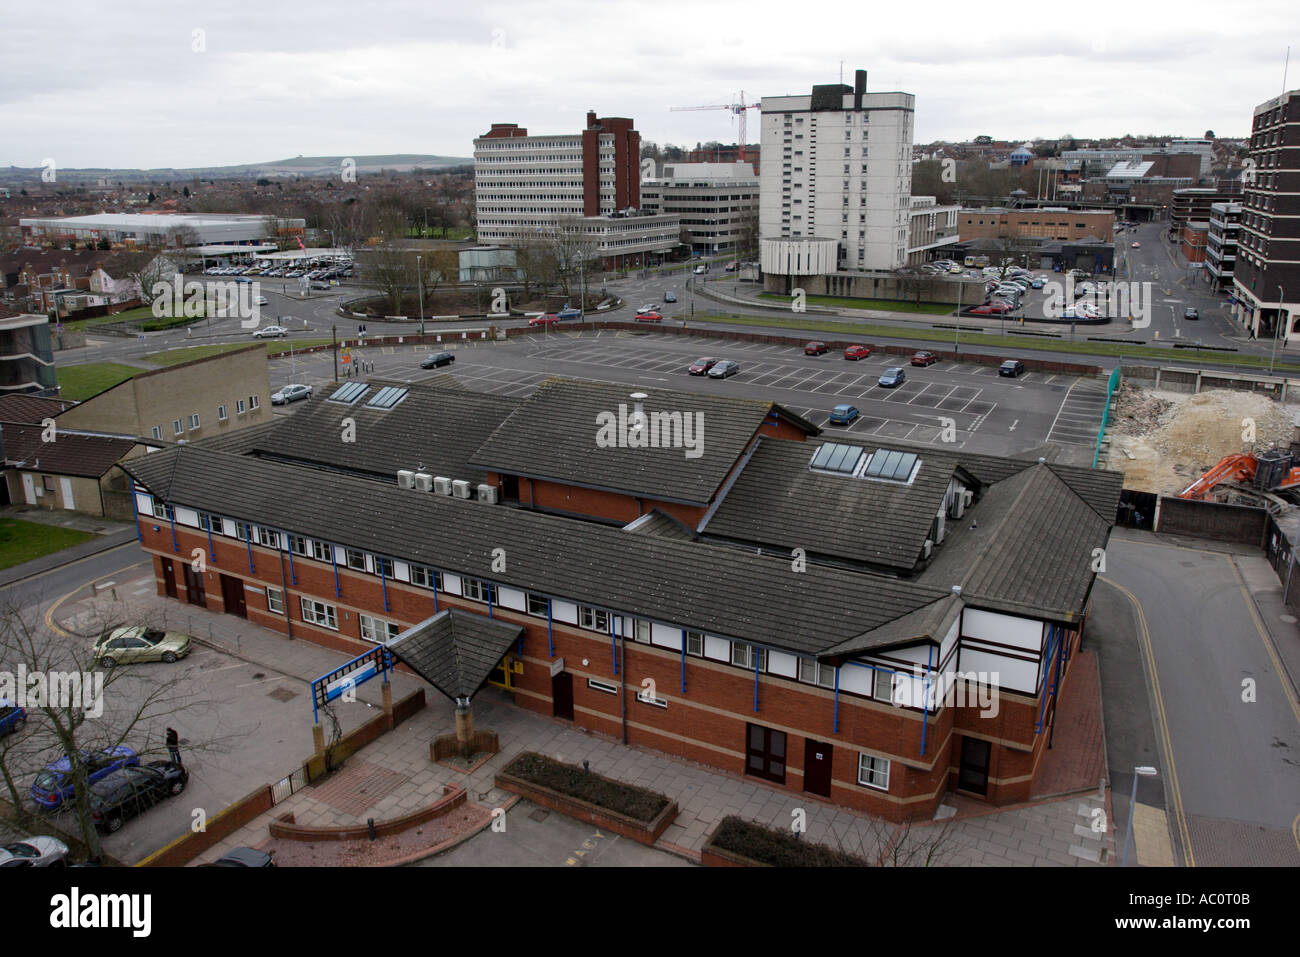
(172, 357)
(884, 305)
(81, 382)
(22, 541)
(142, 314)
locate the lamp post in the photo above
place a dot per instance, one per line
(1145, 771)
(419, 279)
(1277, 328)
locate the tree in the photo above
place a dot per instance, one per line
(573, 249)
(536, 263)
(135, 271)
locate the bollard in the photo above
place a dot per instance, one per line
(370, 827)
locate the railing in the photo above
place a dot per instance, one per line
(1111, 385)
(284, 788)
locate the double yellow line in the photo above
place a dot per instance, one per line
(54, 606)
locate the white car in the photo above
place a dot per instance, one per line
(699, 270)
(34, 852)
(648, 307)
(290, 393)
(270, 332)
(262, 301)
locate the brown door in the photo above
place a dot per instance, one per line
(562, 695)
(169, 577)
(194, 586)
(765, 754)
(817, 767)
(232, 593)
(973, 775)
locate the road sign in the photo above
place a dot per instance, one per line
(346, 356)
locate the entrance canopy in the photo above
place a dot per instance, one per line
(455, 651)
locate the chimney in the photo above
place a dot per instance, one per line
(859, 87)
(591, 119)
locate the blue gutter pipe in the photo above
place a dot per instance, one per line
(836, 724)
(925, 715)
(176, 546)
(248, 541)
(383, 582)
(683, 661)
(550, 637)
(334, 561)
(212, 555)
(435, 593)
(755, 681)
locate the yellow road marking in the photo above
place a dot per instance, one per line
(1264, 636)
(49, 613)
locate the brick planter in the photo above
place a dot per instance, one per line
(644, 832)
(284, 827)
(711, 856)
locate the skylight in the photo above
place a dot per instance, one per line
(349, 393)
(890, 466)
(837, 457)
(387, 397)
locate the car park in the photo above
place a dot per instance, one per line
(1011, 368)
(546, 319)
(437, 360)
(12, 718)
(270, 332)
(892, 377)
(724, 368)
(924, 359)
(140, 643)
(54, 784)
(857, 352)
(291, 393)
(702, 366)
(34, 852)
(649, 317)
(1190, 313)
(815, 349)
(844, 414)
(130, 791)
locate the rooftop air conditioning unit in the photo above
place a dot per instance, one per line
(958, 505)
(441, 485)
(405, 478)
(423, 482)
(487, 493)
(966, 498)
(927, 548)
(461, 489)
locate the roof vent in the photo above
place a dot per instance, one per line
(956, 590)
(637, 422)
(1041, 460)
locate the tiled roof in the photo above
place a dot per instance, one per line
(71, 453)
(455, 650)
(929, 623)
(30, 408)
(718, 589)
(554, 435)
(661, 525)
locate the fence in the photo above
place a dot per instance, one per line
(286, 787)
(1111, 385)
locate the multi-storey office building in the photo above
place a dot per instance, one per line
(1267, 276)
(932, 228)
(873, 625)
(716, 203)
(1221, 244)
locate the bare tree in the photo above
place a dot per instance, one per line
(140, 268)
(573, 249)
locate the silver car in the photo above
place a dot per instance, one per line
(34, 852)
(290, 393)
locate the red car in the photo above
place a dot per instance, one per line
(702, 366)
(549, 319)
(815, 349)
(990, 309)
(649, 317)
(857, 352)
(924, 359)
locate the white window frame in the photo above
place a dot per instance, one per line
(239, 407)
(268, 538)
(746, 655)
(274, 600)
(355, 559)
(178, 426)
(254, 403)
(588, 616)
(156, 432)
(880, 677)
(646, 698)
(322, 551)
(298, 545)
(870, 770)
(210, 523)
(822, 675)
(640, 630)
(545, 604)
(384, 567)
(476, 589)
(159, 509)
(243, 531)
(320, 613)
(378, 630)
(432, 577)
(696, 637)
(221, 413)
(194, 421)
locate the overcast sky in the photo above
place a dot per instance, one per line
(132, 84)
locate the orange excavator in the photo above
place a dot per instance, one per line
(1270, 471)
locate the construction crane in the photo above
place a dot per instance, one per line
(736, 109)
(1271, 471)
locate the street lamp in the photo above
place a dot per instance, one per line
(1145, 771)
(419, 278)
(1277, 328)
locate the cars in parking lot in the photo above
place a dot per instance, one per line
(1011, 367)
(844, 414)
(54, 785)
(546, 319)
(129, 792)
(857, 352)
(12, 717)
(724, 368)
(34, 852)
(139, 643)
(892, 377)
(291, 393)
(649, 317)
(1036, 283)
(924, 359)
(437, 360)
(270, 332)
(1190, 313)
(815, 349)
(702, 366)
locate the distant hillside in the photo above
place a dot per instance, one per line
(296, 166)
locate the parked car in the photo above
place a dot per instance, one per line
(702, 366)
(320, 284)
(857, 352)
(437, 360)
(1012, 368)
(243, 857)
(724, 368)
(12, 718)
(128, 792)
(34, 852)
(892, 377)
(270, 332)
(1190, 313)
(924, 359)
(262, 301)
(815, 349)
(669, 297)
(54, 785)
(844, 414)
(546, 319)
(138, 643)
(291, 393)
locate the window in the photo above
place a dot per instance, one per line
(538, 605)
(356, 559)
(602, 686)
(269, 538)
(747, 656)
(593, 618)
(378, 630)
(239, 407)
(322, 552)
(243, 531)
(254, 402)
(873, 772)
(640, 630)
(159, 509)
(177, 426)
(209, 522)
(426, 577)
(274, 600)
(194, 421)
(221, 413)
(695, 643)
(476, 589)
(883, 685)
(298, 545)
(156, 432)
(319, 613)
(384, 567)
(814, 672)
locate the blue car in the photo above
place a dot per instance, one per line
(844, 414)
(568, 312)
(54, 785)
(12, 717)
(891, 378)
(1037, 284)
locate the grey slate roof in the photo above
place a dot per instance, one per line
(455, 650)
(86, 455)
(779, 502)
(661, 525)
(930, 623)
(553, 435)
(719, 589)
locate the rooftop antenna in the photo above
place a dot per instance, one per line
(842, 72)
(1285, 65)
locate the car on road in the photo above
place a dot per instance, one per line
(128, 792)
(54, 785)
(924, 359)
(243, 857)
(1135, 245)
(1036, 283)
(1081, 311)
(815, 349)
(649, 317)
(1011, 368)
(892, 377)
(261, 301)
(702, 366)
(12, 718)
(291, 393)
(546, 319)
(319, 284)
(568, 312)
(437, 360)
(34, 852)
(700, 269)
(844, 414)
(270, 332)
(857, 352)
(669, 297)
(1190, 313)
(733, 266)
(138, 643)
(648, 307)
(724, 368)
(992, 309)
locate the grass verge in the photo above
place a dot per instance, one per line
(884, 305)
(22, 541)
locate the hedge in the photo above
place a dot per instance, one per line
(636, 803)
(776, 847)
